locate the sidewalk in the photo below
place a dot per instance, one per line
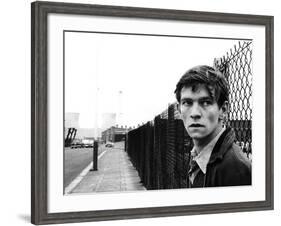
(115, 173)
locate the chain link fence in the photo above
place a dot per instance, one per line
(236, 66)
(160, 149)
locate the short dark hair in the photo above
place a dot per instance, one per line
(212, 79)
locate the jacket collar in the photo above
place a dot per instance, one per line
(202, 158)
(224, 142)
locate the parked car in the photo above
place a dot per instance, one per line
(109, 145)
(77, 144)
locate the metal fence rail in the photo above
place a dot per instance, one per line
(160, 149)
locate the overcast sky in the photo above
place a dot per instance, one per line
(134, 75)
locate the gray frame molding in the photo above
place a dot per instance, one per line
(39, 106)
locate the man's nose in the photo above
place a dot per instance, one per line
(195, 111)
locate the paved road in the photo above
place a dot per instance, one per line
(76, 160)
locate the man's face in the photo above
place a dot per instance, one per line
(200, 113)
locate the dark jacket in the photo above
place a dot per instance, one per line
(227, 165)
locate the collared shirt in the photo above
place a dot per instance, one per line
(202, 158)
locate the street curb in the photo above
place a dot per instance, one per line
(79, 178)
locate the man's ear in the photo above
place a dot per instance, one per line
(224, 109)
(178, 107)
(179, 110)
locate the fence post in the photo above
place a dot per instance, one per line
(95, 156)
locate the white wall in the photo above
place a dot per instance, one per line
(15, 111)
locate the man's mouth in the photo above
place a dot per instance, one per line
(196, 125)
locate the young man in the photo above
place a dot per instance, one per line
(202, 95)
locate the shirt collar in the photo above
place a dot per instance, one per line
(203, 157)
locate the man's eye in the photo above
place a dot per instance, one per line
(206, 102)
(186, 103)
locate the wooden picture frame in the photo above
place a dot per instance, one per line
(40, 108)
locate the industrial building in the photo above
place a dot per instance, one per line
(115, 133)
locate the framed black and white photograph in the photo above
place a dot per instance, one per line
(141, 112)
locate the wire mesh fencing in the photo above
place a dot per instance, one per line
(236, 66)
(160, 151)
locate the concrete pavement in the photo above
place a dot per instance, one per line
(115, 173)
